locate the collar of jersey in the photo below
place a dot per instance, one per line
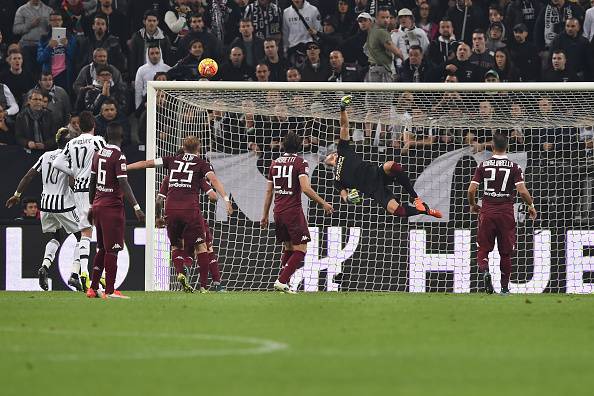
(496, 156)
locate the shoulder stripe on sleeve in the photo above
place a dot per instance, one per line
(122, 176)
(302, 175)
(211, 171)
(161, 195)
(474, 182)
(520, 182)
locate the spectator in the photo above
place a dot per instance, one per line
(236, 69)
(176, 20)
(30, 211)
(589, 23)
(187, 68)
(3, 53)
(265, 19)
(297, 31)
(252, 46)
(461, 66)
(340, 72)
(441, 50)
(31, 23)
(276, 64)
(496, 17)
(7, 12)
(147, 71)
(10, 107)
(550, 23)
(118, 23)
(293, 74)
(416, 68)
(6, 131)
(495, 40)
(380, 48)
(100, 38)
(73, 12)
(56, 57)
(103, 88)
(74, 126)
(88, 73)
(212, 45)
(408, 35)
(34, 129)
(314, 68)
(329, 39)
(110, 113)
(17, 80)
(149, 36)
(481, 56)
(505, 67)
(418, 139)
(474, 18)
(491, 76)
(58, 99)
(525, 12)
(577, 49)
(524, 54)
(345, 18)
(262, 72)
(425, 22)
(352, 47)
(559, 71)
(361, 6)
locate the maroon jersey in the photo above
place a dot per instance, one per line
(185, 174)
(109, 165)
(284, 173)
(499, 177)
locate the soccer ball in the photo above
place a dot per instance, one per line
(208, 68)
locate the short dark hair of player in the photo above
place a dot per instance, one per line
(500, 142)
(62, 137)
(87, 121)
(291, 143)
(114, 133)
(191, 145)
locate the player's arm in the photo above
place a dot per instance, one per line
(267, 203)
(92, 187)
(206, 188)
(344, 194)
(216, 183)
(344, 118)
(62, 164)
(16, 197)
(145, 164)
(472, 190)
(127, 190)
(527, 198)
(159, 220)
(311, 194)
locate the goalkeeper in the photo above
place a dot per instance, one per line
(351, 173)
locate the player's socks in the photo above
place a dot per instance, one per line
(178, 258)
(203, 265)
(111, 270)
(406, 210)
(400, 175)
(76, 262)
(482, 259)
(50, 252)
(285, 257)
(84, 249)
(506, 266)
(293, 264)
(98, 264)
(213, 267)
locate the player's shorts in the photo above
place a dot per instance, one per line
(382, 192)
(52, 222)
(186, 226)
(109, 222)
(81, 200)
(500, 226)
(291, 226)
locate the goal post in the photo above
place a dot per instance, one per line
(439, 132)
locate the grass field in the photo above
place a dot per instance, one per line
(307, 344)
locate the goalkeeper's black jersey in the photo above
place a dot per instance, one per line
(352, 172)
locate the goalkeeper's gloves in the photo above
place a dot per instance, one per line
(345, 102)
(353, 196)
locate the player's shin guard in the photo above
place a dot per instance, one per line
(406, 211)
(285, 257)
(213, 267)
(482, 259)
(98, 265)
(50, 252)
(203, 265)
(111, 270)
(178, 257)
(505, 265)
(84, 248)
(76, 262)
(293, 264)
(400, 175)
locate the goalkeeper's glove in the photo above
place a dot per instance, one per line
(345, 102)
(353, 196)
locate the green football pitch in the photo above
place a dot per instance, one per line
(60, 343)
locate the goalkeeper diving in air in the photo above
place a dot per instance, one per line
(351, 173)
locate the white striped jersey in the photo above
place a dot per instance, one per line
(57, 196)
(79, 154)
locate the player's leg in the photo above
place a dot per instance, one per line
(74, 274)
(84, 245)
(99, 261)
(506, 243)
(396, 209)
(49, 225)
(203, 260)
(213, 265)
(296, 226)
(113, 243)
(487, 232)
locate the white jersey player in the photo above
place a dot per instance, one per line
(58, 209)
(75, 160)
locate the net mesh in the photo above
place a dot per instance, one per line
(439, 136)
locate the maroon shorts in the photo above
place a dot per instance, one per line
(186, 226)
(109, 222)
(291, 226)
(500, 226)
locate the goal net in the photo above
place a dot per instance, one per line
(438, 132)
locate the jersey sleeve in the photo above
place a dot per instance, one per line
(303, 169)
(269, 174)
(517, 174)
(164, 187)
(120, 167)
(38, 164)
(206, 167)
(99, 143)
(164, 162)
(479, 175)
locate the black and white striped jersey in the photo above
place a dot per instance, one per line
(57, 196)
(79, 154)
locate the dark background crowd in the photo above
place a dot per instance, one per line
(109, 49)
